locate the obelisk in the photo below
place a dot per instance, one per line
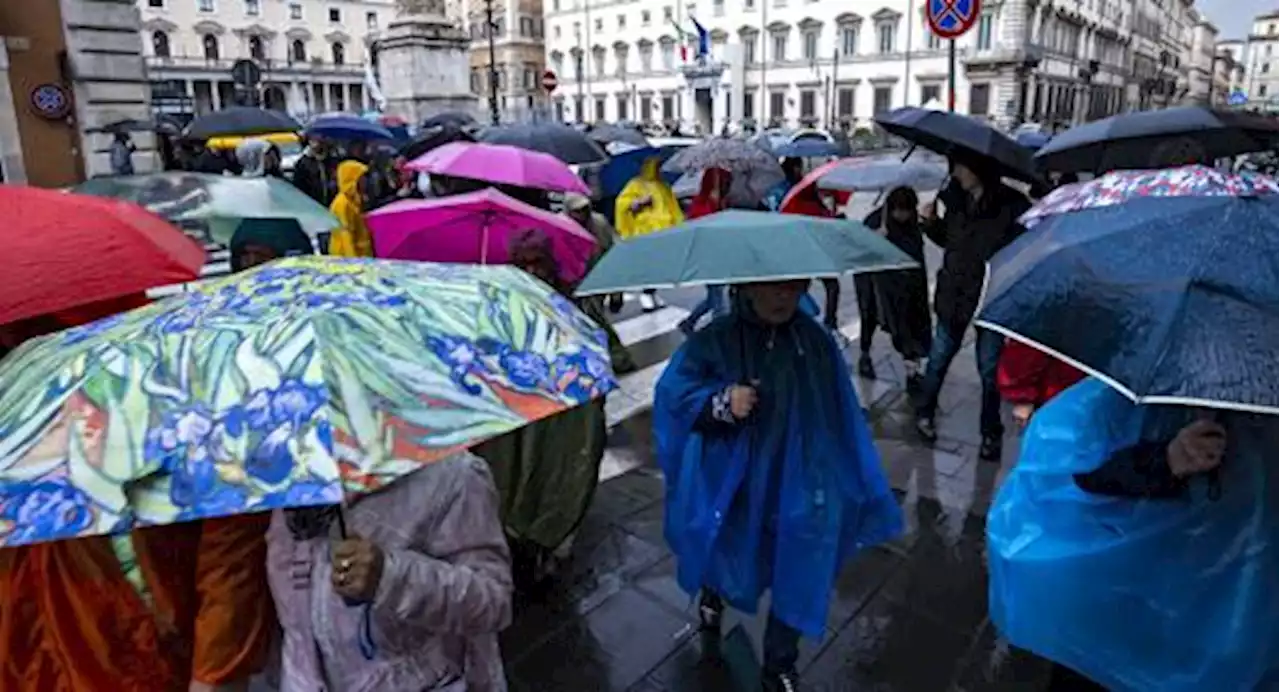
(423, 63)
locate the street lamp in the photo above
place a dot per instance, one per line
(493, 63)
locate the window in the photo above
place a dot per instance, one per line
(298, 51)
(808, 104)
(1262, 91)
(1266, 67)
(578, 112)
(844, 102)
(644, 18)
(622, 107)
(526, 26)
(599, 24)
(749, 4)
(204, 5)
(984, 32)
(849, 40)
(930, 92)
(668, 56)
(668, 107)
(979, 99)
(597, 56)
(339, 53)
(749, 49)
(371, 20)
(666, 13)
(620, 61)
(295, 10)
(777, 105)
(931, 40)
(210, 43)
(600, 108)
(335, 15)
(622, 21)
(811, 45)
(646, 58)
(882, 100)
(155, 3)
(256, 50)
(779, 47)
(646, 109)
(748, 103)
(887, 35)
(557, 28)
(160, 44)
(717, 8)
(252, 7)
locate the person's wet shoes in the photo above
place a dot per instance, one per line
(990, 448)
(926, 429)
(780, 682)
(865, 368)
(615, 303)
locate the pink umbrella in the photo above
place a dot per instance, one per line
(475, 228)
(498, 163)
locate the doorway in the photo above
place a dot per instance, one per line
(703, 106)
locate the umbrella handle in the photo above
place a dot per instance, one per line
(910, 150)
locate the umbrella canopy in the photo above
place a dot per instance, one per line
(742, 247)
(755, 170)
(874, 175)
(347, 127)
(1179, 295)
(808, 148)
(126, 125)
(63, 251)
(494, 163)
(560, 141)
(475, 228)
(1151, 139)
(620, 169)
(217, 201)
(1031, 139)
(433, 137)
(240, 121)
(292, 384)
(606, 133)
(449, 119)
(812, 179)
(1119, 187)
(950, 134)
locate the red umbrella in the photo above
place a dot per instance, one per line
(812, 180)
(65, 251)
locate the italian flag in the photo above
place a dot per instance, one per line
(684, 41)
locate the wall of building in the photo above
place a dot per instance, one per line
(1262, 62)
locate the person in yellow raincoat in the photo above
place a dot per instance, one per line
(352, 238)
(646, 204)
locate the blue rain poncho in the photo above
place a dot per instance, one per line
(1173, 594)
(779, 501)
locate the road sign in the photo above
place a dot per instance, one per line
(51, 101)
(246, 73)
(952, 18)
(549, 81)
(1237, 98)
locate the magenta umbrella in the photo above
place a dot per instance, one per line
(498, 163)
(475, 228)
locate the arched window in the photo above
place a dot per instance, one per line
(339, 54)
(160, 44)
(256, 49)
(210, 47)
(298, 51)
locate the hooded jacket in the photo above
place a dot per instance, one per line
(352, 238)
(663, 211)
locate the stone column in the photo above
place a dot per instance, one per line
(424, 63)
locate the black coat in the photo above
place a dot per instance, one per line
(970, 234)
(315, 178)
(902, 296)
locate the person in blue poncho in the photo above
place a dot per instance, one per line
(1136, 546)
(772, 477)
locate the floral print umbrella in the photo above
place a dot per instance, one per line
(294, 384)
(1121, 186)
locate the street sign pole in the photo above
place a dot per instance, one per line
(949, 20)
(951, 76)
(494, 118)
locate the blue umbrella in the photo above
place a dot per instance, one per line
(1148, 139)
(623, 167)
(808, 148)
(1031, 139)
(347, 127)
(1177, 296)
(885, 174)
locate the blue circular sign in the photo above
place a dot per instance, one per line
(51, 101)
(951, 18)
(1237, 98)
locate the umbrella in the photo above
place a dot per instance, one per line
(219, 202)
(807, 148)
(449, 119)
(433, 137)
(1150, 139)
(620, 169)
(742, 247)
(755, 170)
(1031, 139)
(1178, 293)
(948, 134)
(240, 121)
(291, 384)
(64, 251)
(1119, 187)
(812, 179)
(347, 127)
(560, 141)
(475, 228)
(868, 175)
(495, 163)
(126, 125)
(604, 133)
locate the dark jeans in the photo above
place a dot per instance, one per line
(781, 641)
(945, 347)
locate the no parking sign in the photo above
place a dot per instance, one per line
(951, 18)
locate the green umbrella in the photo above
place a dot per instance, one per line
(734, 247)
(219, 202)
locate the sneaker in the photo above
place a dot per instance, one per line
(780, 682)
(991, 448)
(615, 303)
(865, 368)
(648, 303)
(926, 429)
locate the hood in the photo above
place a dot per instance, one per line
(251, 154)
(649, 169)
(349, 174)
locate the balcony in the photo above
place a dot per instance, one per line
(270, 68)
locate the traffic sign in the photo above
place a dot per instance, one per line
(1237, 98)
(549, 81)
(952, 18)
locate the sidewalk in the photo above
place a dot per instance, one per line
(908, 616)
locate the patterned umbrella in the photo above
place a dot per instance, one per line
(288, 385)
(1121, 186)
(755, 170)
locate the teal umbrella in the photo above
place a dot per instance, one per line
(734, 247)
(217, 201)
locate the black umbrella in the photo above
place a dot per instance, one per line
(240, 121)
(1151, 139)
(561, 141)
(949, 133)
(455, 119)
(126, 125)
(433, 137)
(605, 133)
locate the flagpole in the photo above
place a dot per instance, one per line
(764, 70)
(906, 77)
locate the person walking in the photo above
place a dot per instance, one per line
(1028, 378)
(901, 297)
(809, 202)
(712, 197)
(981, 218)
(122, 149)
(352, 238)
(646, 205)
(313, 172)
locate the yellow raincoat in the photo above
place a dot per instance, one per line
(352, 239)
(663, 211)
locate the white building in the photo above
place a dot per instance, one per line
(311, 53)
(830, 63)
(1262, 70)
(1231, 68)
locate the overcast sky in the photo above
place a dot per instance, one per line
(1233, 17)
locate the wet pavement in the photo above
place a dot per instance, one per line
(910, 615)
